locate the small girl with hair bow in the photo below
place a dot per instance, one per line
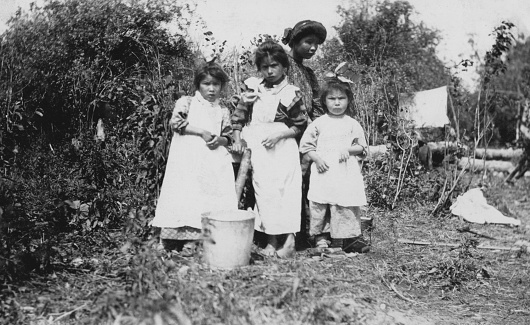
(333, 142)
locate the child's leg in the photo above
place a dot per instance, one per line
(346, 224)
(319, 222)
(272, 245)
(288, 248)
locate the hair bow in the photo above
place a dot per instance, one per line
(340, 72)
(209, 56)
(287, 35)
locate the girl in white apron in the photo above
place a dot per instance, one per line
(199, 176)
(268, 117)
(333, 142)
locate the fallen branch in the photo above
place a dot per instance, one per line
(70, 312)
(426, 243)
(467, 229)
(393, 288)
(402, 296)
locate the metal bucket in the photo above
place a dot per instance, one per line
(227, 238)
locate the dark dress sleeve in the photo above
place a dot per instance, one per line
(179, 118)
(226, 126)
(316, 108)
(294, 115)
(240, 116)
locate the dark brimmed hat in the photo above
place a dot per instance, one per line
(304, 28)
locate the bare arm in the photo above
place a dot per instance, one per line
(212, 141)
(357, 150)
(320, 164)
(192, 130)
(270, 141)
(237, 146)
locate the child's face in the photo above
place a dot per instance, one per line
(271, 70)
(210, 88)
(306, 47)
(336, 102)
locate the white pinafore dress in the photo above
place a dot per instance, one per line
(197, 179)
(276, 173)
(343, 183)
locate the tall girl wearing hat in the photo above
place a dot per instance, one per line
(199, 175)
(333, 142)
(268, 117)
(304, 39)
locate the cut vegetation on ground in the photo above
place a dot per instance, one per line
(394, 284)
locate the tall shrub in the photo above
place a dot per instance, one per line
(64, 67)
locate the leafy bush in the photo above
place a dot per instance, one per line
(71, 64)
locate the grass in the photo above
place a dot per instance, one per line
(394, 284)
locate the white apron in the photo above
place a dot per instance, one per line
(343, 183)
(276, 173)
(197, 179)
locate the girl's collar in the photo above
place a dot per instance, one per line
(272, 85)
(203, 101)
(335, 116)
(275, 88)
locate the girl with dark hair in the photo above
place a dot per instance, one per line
(268, 117)
(199, 175)
(304, 39)
(333, 142)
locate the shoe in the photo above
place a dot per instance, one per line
(355, 245)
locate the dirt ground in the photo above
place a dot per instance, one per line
(394, 284)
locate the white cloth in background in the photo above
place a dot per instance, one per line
(473, 207)
(425, 108)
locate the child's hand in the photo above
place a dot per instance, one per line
(270, 141)
(344, 155)
(249, 97)
(207, 136)
(214, 142)
(321, 165)
(238, 147)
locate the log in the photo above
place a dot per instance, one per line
(491, 165)
(482, 153)
(242, 173)
(498, 154)
(375, 152)
(441, 146)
